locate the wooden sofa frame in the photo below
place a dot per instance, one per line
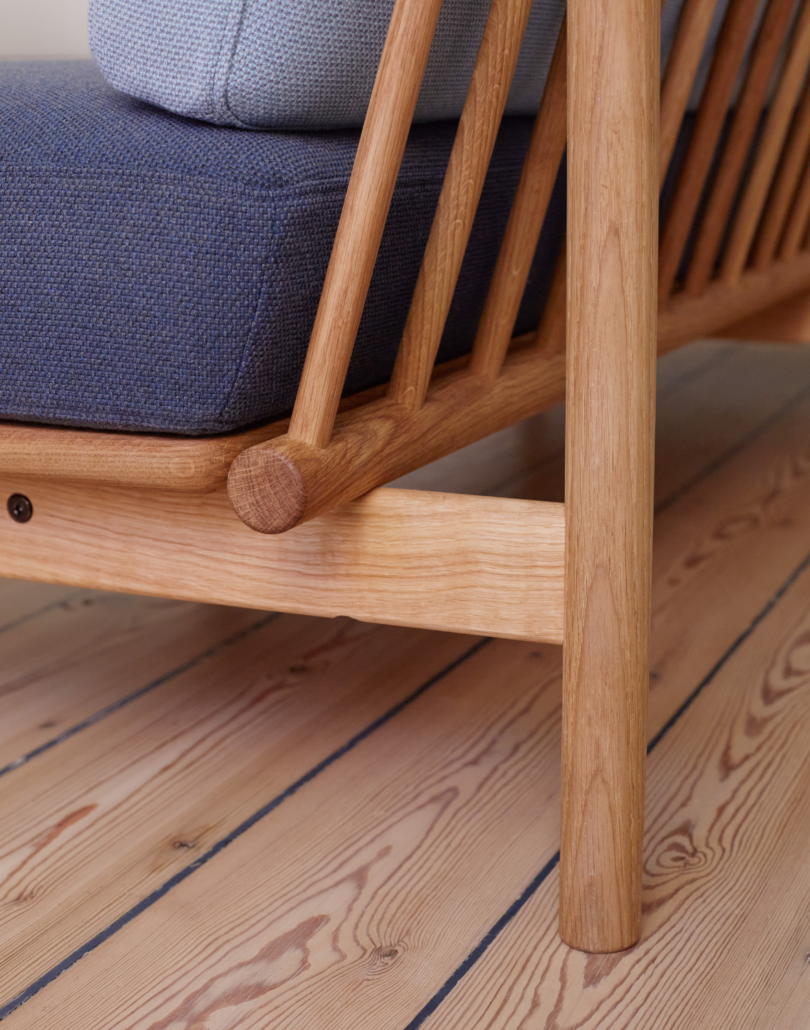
(158, 515)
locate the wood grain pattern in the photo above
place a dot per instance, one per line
(747, 113)
(552, 328)
(384, 440)
(198, 465)
(368, 197)
(768, 151)
(610, 433)
(774, 217)
(297, 690)
(796, 228)
(95, 656)
(21, 601)
(458, 200)
(726, 62)
(726, 861)
(721, 304)
(428, 832)
(679, 75)
(522, 235)
(442, 561)
(788, 322)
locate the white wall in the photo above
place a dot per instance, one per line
(43, 28)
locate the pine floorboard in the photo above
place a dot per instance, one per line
(260, 821)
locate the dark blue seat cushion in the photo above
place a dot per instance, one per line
(163, 274)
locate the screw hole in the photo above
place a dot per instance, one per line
(20, 507)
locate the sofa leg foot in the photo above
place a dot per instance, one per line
(610, 392)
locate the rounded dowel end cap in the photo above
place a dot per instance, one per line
(267, 490)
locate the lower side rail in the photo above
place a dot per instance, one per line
(486, 565)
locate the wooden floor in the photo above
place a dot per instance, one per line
(214, 819)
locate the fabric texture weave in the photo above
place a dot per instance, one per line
(163, 274)
(288, 64)
(310, 64)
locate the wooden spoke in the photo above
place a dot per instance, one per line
(458, 200)
(276, 487)
(728, 57)
(790, 169)
(525, 222)
(798, 219)
(379, 155)
(746, 118)
(769, 150)
(687, 49)
(551, 332)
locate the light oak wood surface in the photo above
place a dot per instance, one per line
(276, 487)
(728, 55)
(522, 235)
(796, 228)
(443, 561)
(788, 322)
(492, 735)
(775, 215)
(722, 304)
(362, 220)
(458, 201)
(769, 150)
(251, 741)
(747, 114)
(679, 75)
(610, 434)
(95, 657)
(726, 886)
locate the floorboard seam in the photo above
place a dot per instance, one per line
(243, 827)
(461, 971)
(711, 467)
(29, 616)
(682, 380)
(116, 706)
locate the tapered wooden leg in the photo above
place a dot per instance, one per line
(613, 77)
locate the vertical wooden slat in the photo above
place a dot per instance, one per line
(679, 76)
(784, 188)
(728, 57)
(379, 155)
(613, 168)
(466, 171)
(525, 221)
(551, 331)
(797, 219)
(770, 147)
(769, 41)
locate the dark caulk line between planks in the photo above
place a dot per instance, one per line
(243, 827)
(29, 616)
(751, 437)
(116, 706)
(492, 934)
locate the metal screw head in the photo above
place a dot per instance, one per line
(20, 508)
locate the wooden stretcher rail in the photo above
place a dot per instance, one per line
(375, 559)
(276, 487)
(201, 465)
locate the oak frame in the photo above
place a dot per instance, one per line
(314, 468)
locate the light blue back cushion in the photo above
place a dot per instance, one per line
(296, 64)
(309, 64)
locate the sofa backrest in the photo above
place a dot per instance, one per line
(288, 64)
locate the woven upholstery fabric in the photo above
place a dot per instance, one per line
(163, 274)
(309, 64)
(296, 64)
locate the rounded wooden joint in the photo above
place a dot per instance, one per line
(267, 490)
